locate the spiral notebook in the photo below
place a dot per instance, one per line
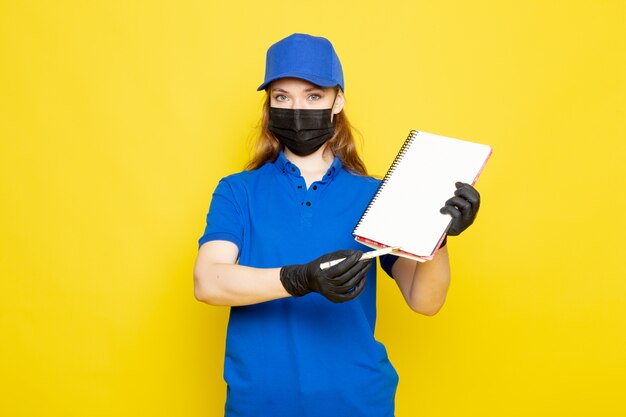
(404, 211)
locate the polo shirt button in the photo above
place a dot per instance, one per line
(293, 169)
(299, 186)
(315, 187)
(308, 203)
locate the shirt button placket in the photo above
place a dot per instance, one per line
(307, 212)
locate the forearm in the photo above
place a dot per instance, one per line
(236, 285)
(218, 280)
(424, 285)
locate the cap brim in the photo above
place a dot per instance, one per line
(322, 82)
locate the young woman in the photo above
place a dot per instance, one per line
(300, 338)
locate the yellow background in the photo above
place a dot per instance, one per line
(117, 119)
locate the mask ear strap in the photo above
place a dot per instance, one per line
(333, 106)
(335, 99)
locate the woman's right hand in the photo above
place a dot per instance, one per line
(339, 283)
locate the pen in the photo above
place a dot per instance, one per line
(366, 255)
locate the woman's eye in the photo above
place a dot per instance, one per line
(314, 97)
(280, 97)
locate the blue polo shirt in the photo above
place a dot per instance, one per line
(304, 356)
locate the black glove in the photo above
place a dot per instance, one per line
(463, 208)
(339, 283)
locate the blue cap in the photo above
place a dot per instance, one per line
(311, 58)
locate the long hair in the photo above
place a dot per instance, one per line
(341, 144)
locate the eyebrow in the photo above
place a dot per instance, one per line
(306, 90)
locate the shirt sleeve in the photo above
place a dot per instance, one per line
(386, 262)
(224, 221)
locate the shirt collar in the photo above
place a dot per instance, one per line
(285, 166)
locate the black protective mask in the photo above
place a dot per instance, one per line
(303, 131)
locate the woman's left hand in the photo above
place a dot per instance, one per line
(463, 208)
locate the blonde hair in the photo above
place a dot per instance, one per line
(342, 143)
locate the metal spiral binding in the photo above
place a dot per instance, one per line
(405, 146)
